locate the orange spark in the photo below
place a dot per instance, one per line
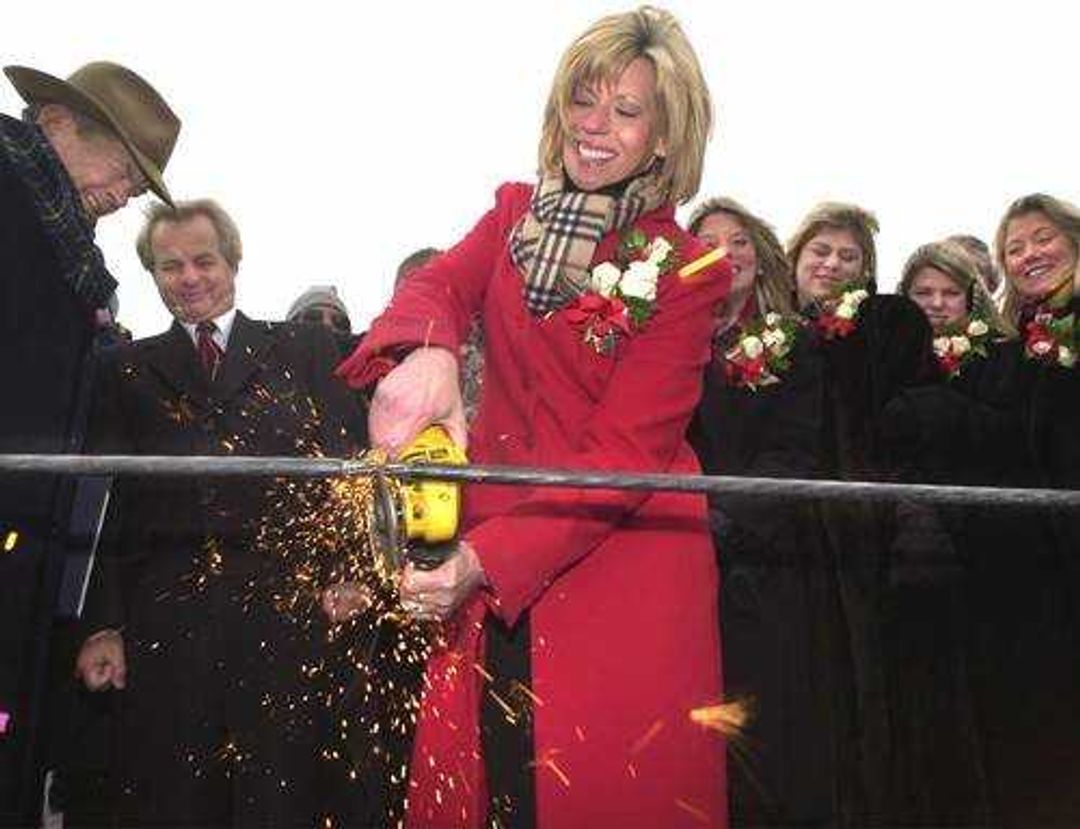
(511, 715)
(485, 674)
(729, 718)
(692, 810)
(647, 737)
(547, 761)
(521, 688)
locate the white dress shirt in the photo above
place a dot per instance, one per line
(221, 335)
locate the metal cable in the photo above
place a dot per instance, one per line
(805, 489)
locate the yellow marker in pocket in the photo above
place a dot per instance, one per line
(691, 269)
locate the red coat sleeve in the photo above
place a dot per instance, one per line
(639, 425)
(435, 305)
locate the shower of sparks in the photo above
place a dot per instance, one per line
(295, 557)
(370, 681)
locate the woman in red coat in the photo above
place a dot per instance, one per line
(581, 638)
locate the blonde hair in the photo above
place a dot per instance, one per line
(862, 224)
(1062, 214)
(774, 285)
(228, 235)
(601, 54)
(953, 260)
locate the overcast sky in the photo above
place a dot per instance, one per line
(342, 136)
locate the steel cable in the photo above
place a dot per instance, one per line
(798, 488)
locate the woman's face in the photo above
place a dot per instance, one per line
(722, 229)
(943, 301)
(1039, 258)
(831, 259)
(611, 131)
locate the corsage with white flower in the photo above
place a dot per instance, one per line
(1052, 340)
(622, 296)
(955, 349)
(762, 353)
(837, 318)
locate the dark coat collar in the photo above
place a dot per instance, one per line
(172, 355)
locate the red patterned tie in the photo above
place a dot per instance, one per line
(209, 351)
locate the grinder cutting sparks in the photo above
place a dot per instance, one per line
(407, 522)
(416, 521)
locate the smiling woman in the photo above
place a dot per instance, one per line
(612, 128)
(581, 627)
(1038, 244)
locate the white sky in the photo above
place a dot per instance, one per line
(342, 136)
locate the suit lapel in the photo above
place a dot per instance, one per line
(173, 358)
(246, 354)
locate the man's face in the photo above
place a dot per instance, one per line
(193, 278)
(100, 166)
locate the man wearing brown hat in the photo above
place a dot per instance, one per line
(85, 146)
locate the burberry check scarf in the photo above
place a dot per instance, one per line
(553, 244)
(82, 265)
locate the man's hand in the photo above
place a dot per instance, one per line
(101, 664)
(341, 602)
(436, 594)
(423, 389)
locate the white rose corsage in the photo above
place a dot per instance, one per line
(622, 295)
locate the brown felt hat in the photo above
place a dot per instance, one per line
(118, 98)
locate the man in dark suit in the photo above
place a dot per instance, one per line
(219, 721)
(84, 146)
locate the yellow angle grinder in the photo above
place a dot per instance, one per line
(416, 521)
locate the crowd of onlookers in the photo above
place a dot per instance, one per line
(903, 662)
(911, 664)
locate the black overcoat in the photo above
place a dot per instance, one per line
(219, 721)
(45, 337)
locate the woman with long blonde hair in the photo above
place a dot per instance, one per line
(580, 649)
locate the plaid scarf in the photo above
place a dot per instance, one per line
(553, 244)
(71, 232)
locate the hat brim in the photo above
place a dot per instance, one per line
(37, 87)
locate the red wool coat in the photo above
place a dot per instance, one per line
(621, 587)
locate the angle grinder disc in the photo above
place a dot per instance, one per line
(386, 528)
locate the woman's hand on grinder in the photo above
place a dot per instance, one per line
(437, 594)
(423, 389)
